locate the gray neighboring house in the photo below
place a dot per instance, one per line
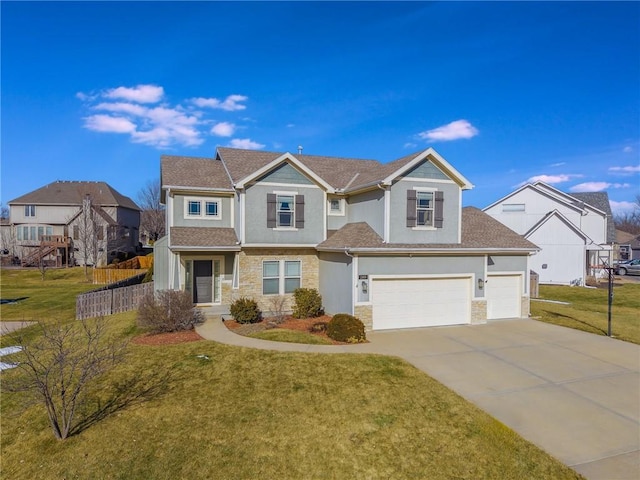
(628, 245)
(50, 222)
(387, 242)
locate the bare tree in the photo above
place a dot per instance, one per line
(4, 212)
(60, 367)
(152, 217)
(88, 233)
(629, 221)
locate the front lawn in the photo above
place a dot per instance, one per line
(587, 309)
(55, 296)
(238, 413)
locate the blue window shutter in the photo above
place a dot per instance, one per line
(439, 210)
(271, 210)
(411, 208)
(299, 211)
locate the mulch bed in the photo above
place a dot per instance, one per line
(171, 338)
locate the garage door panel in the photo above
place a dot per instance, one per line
(504, 294)
(419, 302)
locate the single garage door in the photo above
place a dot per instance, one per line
(420, 302)
(504, 293)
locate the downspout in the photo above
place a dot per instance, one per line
(354, 279)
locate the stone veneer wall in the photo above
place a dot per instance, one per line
(365, 314)
(478, 312)
(250, 263)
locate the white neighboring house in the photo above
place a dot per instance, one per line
(575, 231)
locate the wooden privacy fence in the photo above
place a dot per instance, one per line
(111, 275)
(534, 283)
(111, 300)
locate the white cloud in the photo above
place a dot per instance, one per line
(230, 104)
(291, 125)
(628, 170)
(245, 143)
(597, 186)
(452, 131)
(410, 145)
(623, 207)
(139, 93)
(223, 129)
(627, 149)
(559, 164)
(550, 179)
(130, 108)
(164, 125)
(107, 123)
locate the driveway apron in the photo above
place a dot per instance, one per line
(573, 394)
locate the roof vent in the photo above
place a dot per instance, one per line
(299, 149)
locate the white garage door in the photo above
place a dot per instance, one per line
(420, 302)
(504, 294)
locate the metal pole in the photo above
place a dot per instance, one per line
(610, 270)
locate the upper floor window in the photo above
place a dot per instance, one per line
(285, 210)
(29, 210)
(425, 208)
(203, 208)
(336, 206)
(512, 207)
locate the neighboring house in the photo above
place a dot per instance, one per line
(73, 222)
(389, 243)
(575, 232)
(628, 245)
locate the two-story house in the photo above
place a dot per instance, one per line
(575, 232)
(75, 222)
(389, 243)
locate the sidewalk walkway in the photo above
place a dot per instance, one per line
(573, 394)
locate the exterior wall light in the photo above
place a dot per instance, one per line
(480, 284)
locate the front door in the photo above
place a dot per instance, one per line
(202, 281)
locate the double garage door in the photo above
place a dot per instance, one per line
(420, 302)
(427, 302)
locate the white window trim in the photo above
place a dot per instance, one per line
(336, 213)
(293, 194)
(203, 208)
(281, 276)
(426, 190)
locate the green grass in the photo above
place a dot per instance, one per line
(55, 296)
(291, 336)
(246, 414)
(237, 413)
(588, 309)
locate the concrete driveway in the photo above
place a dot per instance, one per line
(576, 395)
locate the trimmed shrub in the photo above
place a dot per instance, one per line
(168, 311)
(346, 328)
(318, 327)
(308, 303)
(245, 310)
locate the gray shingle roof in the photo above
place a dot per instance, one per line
(479, 230)
(193, 172)
(204, 237)
(73, 192)
(339, 172)
(599, 200)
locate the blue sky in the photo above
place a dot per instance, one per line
(507, 92)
